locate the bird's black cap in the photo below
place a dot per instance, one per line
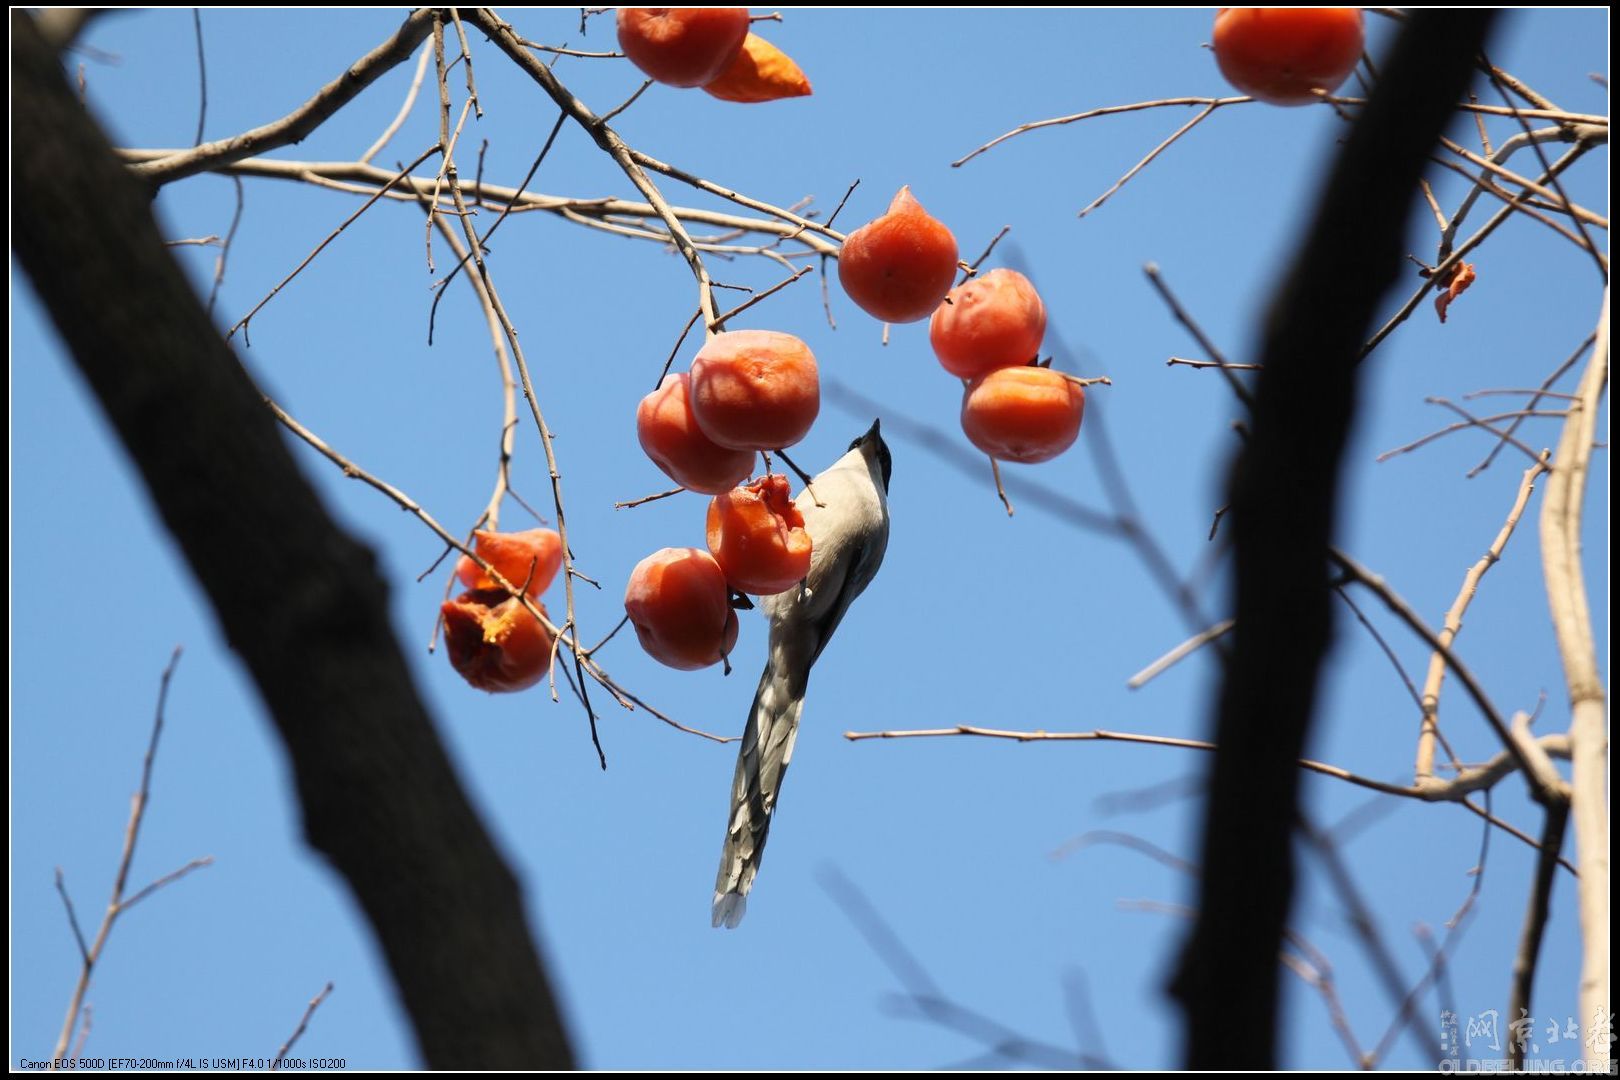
(874, 436)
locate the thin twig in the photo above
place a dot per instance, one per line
(350, 220)
(1204, 342)
(648, 498)
(1404, 611)
(1471, 421)
(1179, 653)
(1429, 703)
(298, 124)
(1151, 154)
(1443, 269)
(117, 904)
(1111, 110)
(404, 110)
(202, 77)
(1554, 824)
(303, 1025)
(973, 267)
(1535, 399)
(1001, 492)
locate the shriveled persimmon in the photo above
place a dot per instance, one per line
(1284, 55)
(682, 46)
(760, 72)
(670, 435)
(1024, 414)
(494, 642)
(757, 536)
(899, 267)
(994, 321)
(755, 390)
(678, 602)
(529, 559)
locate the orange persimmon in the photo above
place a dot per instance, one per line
(899, 267)
(531, 557)
(493, 641)
(678, 602)
(760, 72)
(755, 390)
(1284, 55)
(993, 321)
(757, 536)
(1024, 414)
(670, 435)
(682, 46)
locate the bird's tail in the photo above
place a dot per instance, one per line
(767, 746)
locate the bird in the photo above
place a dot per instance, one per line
(846, 513)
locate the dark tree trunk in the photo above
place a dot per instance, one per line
(1284, 495)
(299, 600)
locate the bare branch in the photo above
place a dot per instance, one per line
(298, 124)
(1561, 513)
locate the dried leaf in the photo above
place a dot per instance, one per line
(761, 72)
(1462, 276)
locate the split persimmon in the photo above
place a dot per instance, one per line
(494, 642)
(755, 390)
(1284, 55)
(899, 267)
(531, 557)
(993, 321)
(760, 72)
(682, 46)
(757, 536)
(1024, 414)
(670, 435)
(678, 602)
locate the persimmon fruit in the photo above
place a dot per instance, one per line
(494, 642)
(670, 435)
(1283, 55)
(531, 557)
(759, 72)
(755, 390)
(899, 267)
(1023, 414)
(757, 536)
(994, 321)
(678, 602)
(682, 46)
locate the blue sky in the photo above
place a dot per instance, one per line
(976, 618)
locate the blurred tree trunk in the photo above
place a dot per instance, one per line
(1284, 497)
(299, 601)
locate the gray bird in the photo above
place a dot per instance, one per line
(848, 533)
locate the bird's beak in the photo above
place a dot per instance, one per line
(872, 432)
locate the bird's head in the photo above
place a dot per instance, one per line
(873, 448)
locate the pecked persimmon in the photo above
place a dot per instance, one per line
(670, 435)
(1283, 55)
(494, 642)
(993, 321)
(682, 46)
(1024, 414)
(757, 536)
(755, 390)
(533, 556)
(678, 603)
(760, 72)
(899, 267)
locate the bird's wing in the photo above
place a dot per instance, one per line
(855, 581)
